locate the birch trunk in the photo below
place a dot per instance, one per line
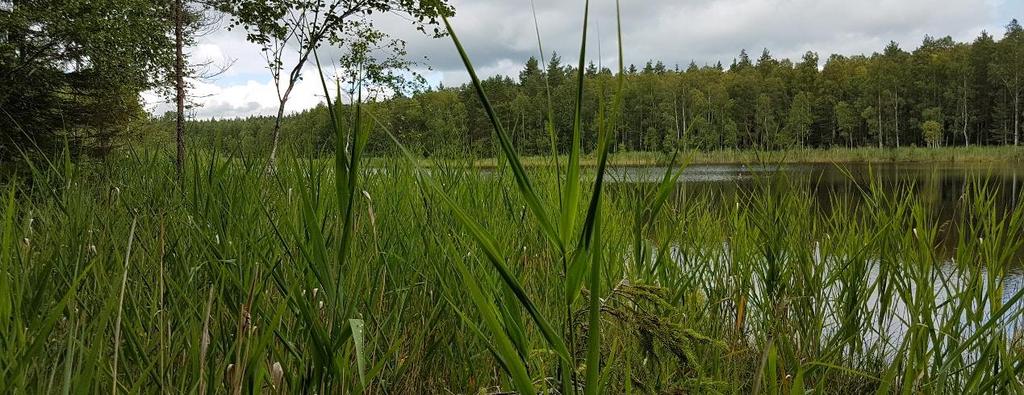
(179, 86)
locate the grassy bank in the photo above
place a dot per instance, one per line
(1004, 154)
(230, 282)
(339, 276)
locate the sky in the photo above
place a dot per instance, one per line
(500, 35)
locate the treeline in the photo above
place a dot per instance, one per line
(942, 93)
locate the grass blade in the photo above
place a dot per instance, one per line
(593, 378)
(570, 201)
(502, 344)
(357, 339)
(489, 246)
(522, 181)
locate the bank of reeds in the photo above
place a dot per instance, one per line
(331, 277)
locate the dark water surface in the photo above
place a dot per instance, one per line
(944, 180)
(939, 186)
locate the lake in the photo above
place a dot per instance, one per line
(939, 185)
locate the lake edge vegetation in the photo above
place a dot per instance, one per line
(238, 274)
(908, 155)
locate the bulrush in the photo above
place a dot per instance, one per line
(276, 375)
(229, 377)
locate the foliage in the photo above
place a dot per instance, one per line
(931, 131)
(238, 244)
(331, 276)
(369, 55)
(63, 78)
(876, 100)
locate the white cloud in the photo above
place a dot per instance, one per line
(241, 100)
(499, 35)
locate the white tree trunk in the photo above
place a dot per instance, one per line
(897, 115)
(1016, 118)
(179, 85)
(879, 119)
(967, 141)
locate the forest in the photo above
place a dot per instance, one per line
(63, 79)
(942, 93)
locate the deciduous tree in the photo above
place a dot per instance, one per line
(303, 26)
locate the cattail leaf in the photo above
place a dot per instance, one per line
(570, 201)
(592, 385)
(503, 347)
(357, 340)
(577, 272)
(522, 180)
(489, 247)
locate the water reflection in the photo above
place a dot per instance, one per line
(940, 187)
(941, 183)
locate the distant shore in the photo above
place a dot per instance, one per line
(798, 155)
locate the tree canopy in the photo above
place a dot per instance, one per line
(74, 69)
(972, 91)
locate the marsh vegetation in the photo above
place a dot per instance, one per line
(334, 272)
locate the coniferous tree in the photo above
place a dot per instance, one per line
(881, 100)
(1007, 69)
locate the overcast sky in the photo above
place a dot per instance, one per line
(499, 36)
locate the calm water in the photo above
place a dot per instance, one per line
(940, 185)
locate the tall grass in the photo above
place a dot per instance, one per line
(333, 277)
(763, 289)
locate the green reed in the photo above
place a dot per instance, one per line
(764, 290)
(334, 277)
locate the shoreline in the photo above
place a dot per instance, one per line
(979, 155)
